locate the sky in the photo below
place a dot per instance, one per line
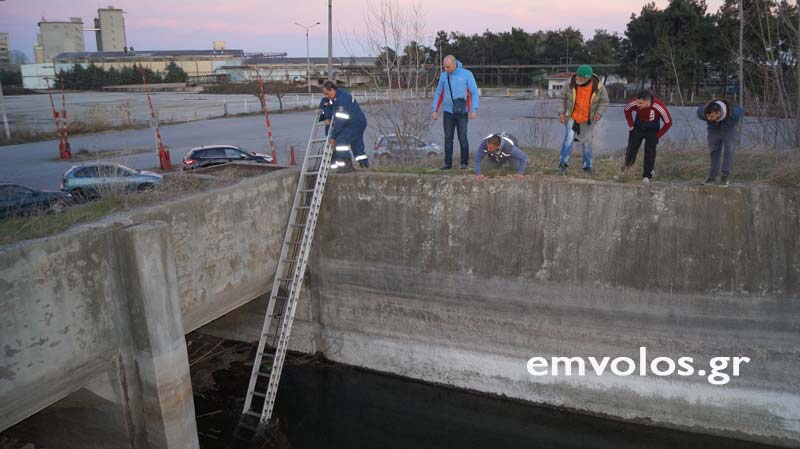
(268, 25)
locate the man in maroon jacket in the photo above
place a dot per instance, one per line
(644, 114)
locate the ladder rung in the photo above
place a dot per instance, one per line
(281, 298)
(315, 156)
(261, 395)
(306, 190)
(289, 260)
(285, 279)
(250, 413)
(297, 225)
(303, 207)
(318, 140)
(311, 173)
(294, 243)
(263, 374)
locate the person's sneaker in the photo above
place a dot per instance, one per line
(562, 169)
(464, 165)
(646, 180)
(710, 181)
(724, 182)
(587, 170)
(445, 167)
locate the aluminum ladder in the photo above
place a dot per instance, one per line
(286, 286)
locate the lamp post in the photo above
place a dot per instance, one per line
(308, 60)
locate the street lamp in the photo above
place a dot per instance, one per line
(308, 59)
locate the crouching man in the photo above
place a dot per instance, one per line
(499, 149)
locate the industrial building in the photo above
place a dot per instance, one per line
(196, 63)
(349, 71)
(5, 49)
(55, 38)
(110, 30)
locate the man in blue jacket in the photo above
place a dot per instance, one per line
(457, 94)
(349, 124)
(723, 118)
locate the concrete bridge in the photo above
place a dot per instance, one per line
(436, 278)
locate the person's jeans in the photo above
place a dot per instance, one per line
(722, 143)
(566, 147)
(451, 123)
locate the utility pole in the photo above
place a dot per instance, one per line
(797, 75)
(330, 41)
(308, 60)
(3, 110)
(740, 94)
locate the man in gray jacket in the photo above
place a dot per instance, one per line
(499, 149)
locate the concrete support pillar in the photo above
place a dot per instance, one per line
(158, 346)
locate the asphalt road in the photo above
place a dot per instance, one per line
(36, 164)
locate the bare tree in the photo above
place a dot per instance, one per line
(393, 32)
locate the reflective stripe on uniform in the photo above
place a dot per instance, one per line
(361, 158)
(343, 115)
(343, 148)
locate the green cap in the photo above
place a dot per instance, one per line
(584, 71)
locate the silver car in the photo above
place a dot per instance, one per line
(98, 178)
(389, 148)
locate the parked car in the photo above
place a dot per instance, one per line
(95, 179)
(209, 155)
(18, 200)
(389, 147)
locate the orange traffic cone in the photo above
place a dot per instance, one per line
(292, 160)
(274, 156)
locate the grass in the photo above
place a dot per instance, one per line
(673, 164)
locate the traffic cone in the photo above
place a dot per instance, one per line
(292, 160)
(274, 156)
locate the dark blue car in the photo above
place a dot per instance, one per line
(16, 200)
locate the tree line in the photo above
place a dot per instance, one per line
(681, 47)
(95, 77)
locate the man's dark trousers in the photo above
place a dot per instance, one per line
(635, 138)
(451, 123)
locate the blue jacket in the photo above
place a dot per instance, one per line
(731, 120)
(349, 121)
(464, 86)
(325, 109)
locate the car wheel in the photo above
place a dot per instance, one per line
(80, 195)
(144, 187)
(432, 158)
(57, 206)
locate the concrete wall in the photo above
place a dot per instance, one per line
(458, 282)
(437, 278)
(68, 309)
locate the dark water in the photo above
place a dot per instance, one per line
(323, 405)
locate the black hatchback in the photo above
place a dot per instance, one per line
(207, 156)
(17, 200)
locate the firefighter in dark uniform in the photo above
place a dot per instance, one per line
(349, 124)
(499, 149)
(326, 112)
